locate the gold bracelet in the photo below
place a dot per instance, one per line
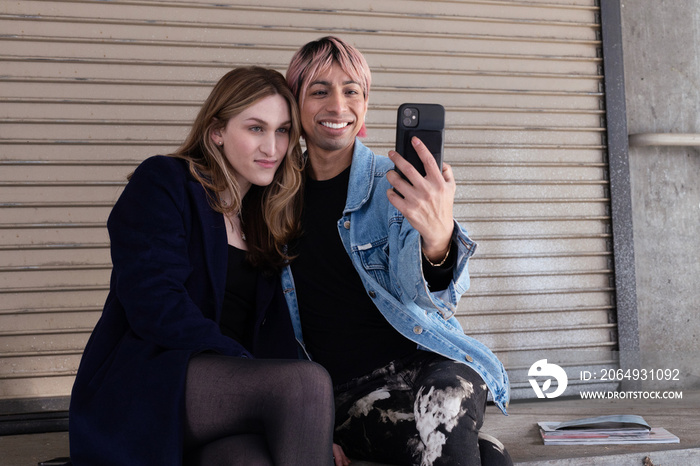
(443, 259)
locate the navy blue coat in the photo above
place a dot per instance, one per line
(169, 257)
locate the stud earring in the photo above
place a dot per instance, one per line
(221, 143)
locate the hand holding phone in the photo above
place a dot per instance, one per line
(428, 205)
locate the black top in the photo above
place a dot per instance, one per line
(238, 311)
(343, 329)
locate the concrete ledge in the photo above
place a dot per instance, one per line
(518, 432)
(657, 458)
(29, 449)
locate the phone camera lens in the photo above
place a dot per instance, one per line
(410, 117)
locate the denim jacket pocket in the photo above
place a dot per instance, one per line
(374, 258)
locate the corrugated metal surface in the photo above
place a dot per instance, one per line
(89, 89)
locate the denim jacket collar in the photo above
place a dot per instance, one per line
(361, 177)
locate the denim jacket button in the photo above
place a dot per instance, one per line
(417, 330)
(372, 294)
(347, 224)
(469, 358)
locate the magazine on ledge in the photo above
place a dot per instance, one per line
(602, 430)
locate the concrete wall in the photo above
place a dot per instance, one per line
(661, 43)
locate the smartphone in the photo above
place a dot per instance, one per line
(425, 121)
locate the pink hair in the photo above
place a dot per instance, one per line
(317, 57)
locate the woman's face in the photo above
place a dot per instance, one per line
(256, 140)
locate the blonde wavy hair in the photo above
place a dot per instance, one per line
(270, 215)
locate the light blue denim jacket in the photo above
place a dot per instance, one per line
(386, 252)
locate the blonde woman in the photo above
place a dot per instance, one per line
(193, 359)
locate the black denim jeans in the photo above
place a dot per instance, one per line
(421, 410)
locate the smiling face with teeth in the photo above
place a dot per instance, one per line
(332, 113)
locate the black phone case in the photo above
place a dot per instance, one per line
(430, 129)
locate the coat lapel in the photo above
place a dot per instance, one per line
(214, 241)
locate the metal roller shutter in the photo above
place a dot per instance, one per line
(89, 89)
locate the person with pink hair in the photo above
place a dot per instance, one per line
(376, 280)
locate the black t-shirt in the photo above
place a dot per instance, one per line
(238, 312)
(343, 329)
